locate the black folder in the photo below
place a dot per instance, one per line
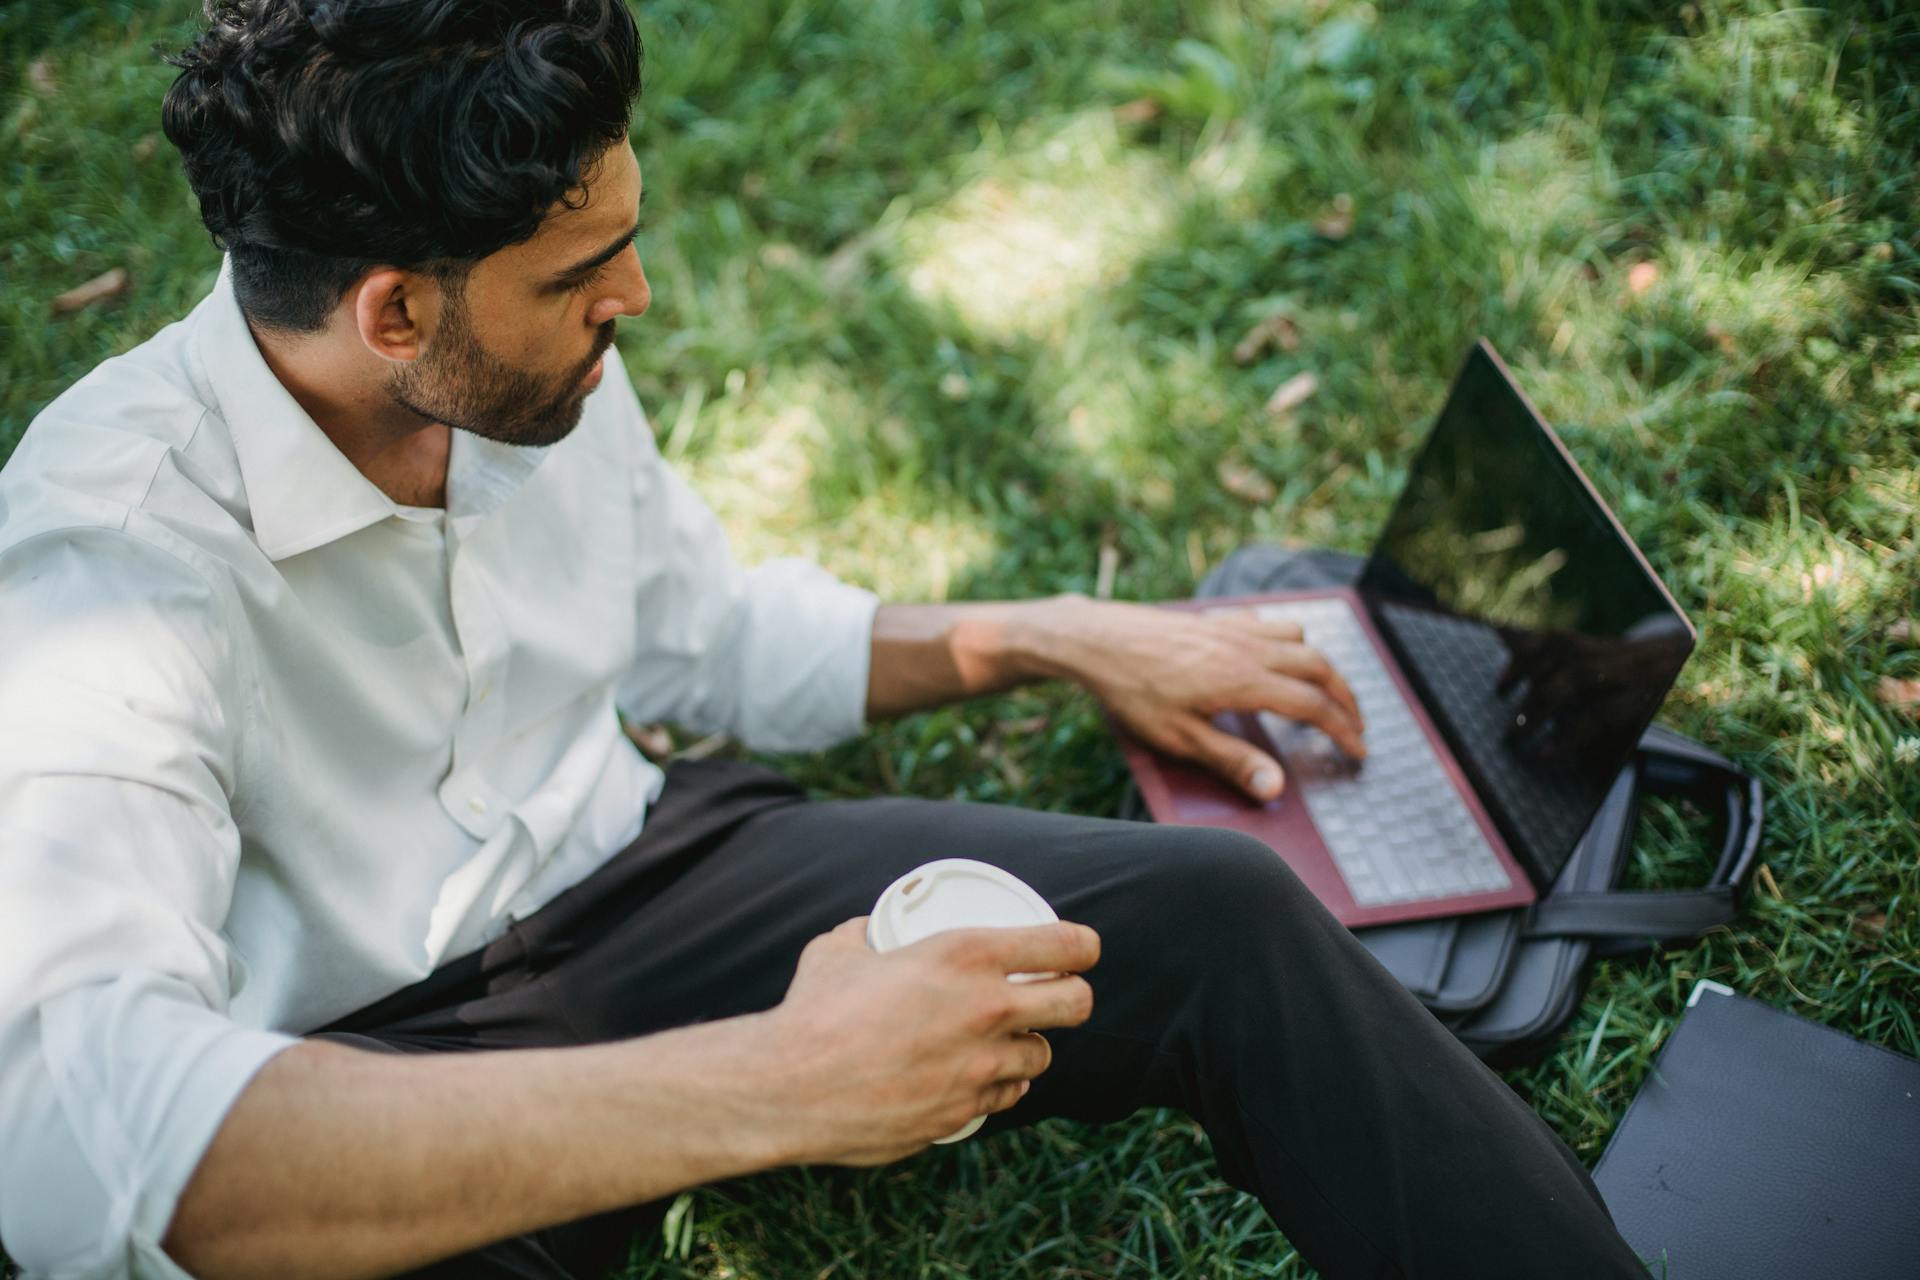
(1763, 1145)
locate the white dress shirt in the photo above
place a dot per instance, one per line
(273, 746)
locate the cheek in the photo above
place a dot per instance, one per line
(521, 328)
(533, 341)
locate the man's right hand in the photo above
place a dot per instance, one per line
(879, 1055)
(348, 1163)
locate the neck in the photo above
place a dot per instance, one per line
(402, 455)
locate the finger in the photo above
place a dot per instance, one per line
(1237, 760)
(854, 930)
(1278, 629)
(1308, 703)
(1056, 1002)
(1250, 622)
(1028, 1055)
(842, 938)
(1303, 662)
(1001, 1097)
(1062, 947)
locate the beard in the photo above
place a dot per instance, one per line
(458, 382)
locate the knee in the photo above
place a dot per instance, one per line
(1223, 919)
(1229, 889)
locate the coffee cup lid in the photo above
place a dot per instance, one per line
(952, 893)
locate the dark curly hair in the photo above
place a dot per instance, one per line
(327, 137)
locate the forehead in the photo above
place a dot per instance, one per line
(607, 204)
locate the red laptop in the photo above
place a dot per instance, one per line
(1507, 643)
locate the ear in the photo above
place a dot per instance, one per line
(394, 312)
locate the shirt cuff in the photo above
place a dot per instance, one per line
(812, 644)
(141, 1115)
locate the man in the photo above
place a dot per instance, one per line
(346, 934)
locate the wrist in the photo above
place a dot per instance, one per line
(1040, 639)
(732, 1065)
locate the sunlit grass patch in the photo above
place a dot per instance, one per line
(904, 553)
(1027, 239)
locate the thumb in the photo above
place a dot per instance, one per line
(1239, 761)
(854, 930)
(823, 948)
(846, 934)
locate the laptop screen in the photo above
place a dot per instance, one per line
(1537, 637)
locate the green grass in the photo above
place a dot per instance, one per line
(930, 310)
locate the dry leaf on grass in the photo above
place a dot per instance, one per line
(1900, 695)
(1139, 111)
(1870, 923)
(1015, 776)
(40, 78)
(654, 741)
(712, 744)
(1901, 632)
(144, 149)
(1022, 727)
(1246, 484)
(1641, 276)
(1291, 394)
(1336, 220)
(1273, 332)
(111, 284)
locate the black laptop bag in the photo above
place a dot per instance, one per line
(1507, 981)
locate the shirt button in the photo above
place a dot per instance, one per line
(477, 804)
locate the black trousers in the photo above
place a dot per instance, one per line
(1378, 1144)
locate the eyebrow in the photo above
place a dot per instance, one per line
(601, 258)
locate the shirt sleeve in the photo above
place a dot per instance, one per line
(118, 853)
(776, 655)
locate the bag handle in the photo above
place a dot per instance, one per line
(1635, 918)
(1659, 915)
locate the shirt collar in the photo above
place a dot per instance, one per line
(301, 490)
(482, 474)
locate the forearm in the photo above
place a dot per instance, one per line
(1162, 675)
(925, 655)
(341, 1162)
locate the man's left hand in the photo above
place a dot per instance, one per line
(1164, 674)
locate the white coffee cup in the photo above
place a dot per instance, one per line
(955, 893)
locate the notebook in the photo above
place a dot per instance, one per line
(1765, 1146)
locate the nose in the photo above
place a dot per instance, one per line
(629, 294)
(639, 294)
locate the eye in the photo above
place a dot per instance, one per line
(588, 280)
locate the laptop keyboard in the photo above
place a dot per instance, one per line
(1395, 825)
